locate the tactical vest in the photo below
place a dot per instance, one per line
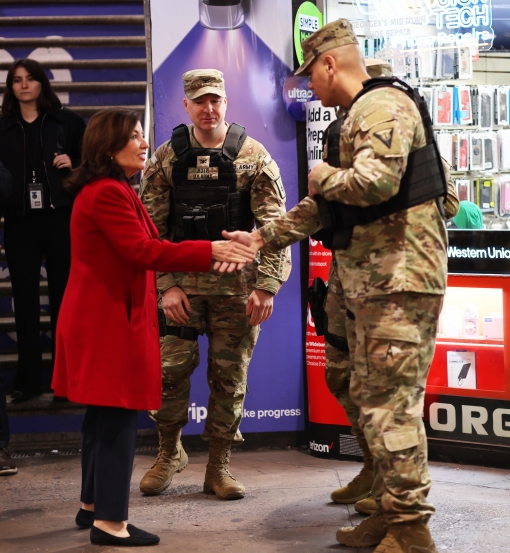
(205, 199)
(423, 180)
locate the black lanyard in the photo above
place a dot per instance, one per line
(27, 146)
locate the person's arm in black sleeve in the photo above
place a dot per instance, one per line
(5, 185)
(73, 142)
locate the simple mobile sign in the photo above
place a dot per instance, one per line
(308, 20)
(485, 252)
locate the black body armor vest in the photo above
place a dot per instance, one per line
(205, 199)
(423, 180)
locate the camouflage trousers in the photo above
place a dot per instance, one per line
(338, 363)
(231, 341)
(395, 338)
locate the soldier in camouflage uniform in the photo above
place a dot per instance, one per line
(228, 308)
(339, 364)
(393, 274)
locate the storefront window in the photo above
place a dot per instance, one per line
(456, 52)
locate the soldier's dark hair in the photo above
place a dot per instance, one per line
(47, 100)
(107, 133)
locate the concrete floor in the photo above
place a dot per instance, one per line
(287, 507)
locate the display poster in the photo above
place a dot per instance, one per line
(248, 43)
(323, 407)
(461, 367)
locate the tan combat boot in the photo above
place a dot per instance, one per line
(370, 532)
(361, 485)
(407, 537)
(218, 479)
(171, 459)
(367, 506)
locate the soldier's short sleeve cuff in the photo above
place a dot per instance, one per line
(268, 284)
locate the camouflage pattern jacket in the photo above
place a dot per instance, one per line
(257, 172)
(405, 251)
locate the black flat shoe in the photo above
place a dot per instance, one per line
(20, 395)
(137, 537)
(59, 399)
(84, 518)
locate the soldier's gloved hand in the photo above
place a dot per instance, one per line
(175, 305)
(259, 306)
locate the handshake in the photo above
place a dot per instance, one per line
(236, 251)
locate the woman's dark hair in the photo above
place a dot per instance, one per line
(107, 132)
(47, 101)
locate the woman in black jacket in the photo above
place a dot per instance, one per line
(40, 142)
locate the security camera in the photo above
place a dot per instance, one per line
(221, 15)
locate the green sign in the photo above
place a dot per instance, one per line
(308, 20)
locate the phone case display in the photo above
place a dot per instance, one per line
(490, 151)
(445, 144)
(463, 187)
(475, 152)
(426, 64)
(443, 105)
(484, 194)
(504, 149)
(446, 63)
(427, 94)
(460, 151)
(463, 110)
(504, 198)
(465, 63)
(501, 105)
(485, 106)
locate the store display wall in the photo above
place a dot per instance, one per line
(468, 91)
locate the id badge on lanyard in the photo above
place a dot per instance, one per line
(35, 192)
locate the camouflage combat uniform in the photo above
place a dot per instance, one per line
(393, 274)
(218, 302)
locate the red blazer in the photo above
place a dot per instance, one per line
(107, 340)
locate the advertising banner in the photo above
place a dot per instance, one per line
(323, 408)
(247, 42)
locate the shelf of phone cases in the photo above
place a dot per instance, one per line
(432, 63)
(483, 106)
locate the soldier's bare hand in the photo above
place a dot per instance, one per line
(61, 161)
(176, 305)
(251, 239)
(259, 307)
(231, 255)
(314, 186)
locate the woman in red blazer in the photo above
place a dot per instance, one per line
(107, 342)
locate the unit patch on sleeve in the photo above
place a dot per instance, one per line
(386, 140)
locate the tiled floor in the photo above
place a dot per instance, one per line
(287, 507)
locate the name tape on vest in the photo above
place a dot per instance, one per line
(203, 173)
